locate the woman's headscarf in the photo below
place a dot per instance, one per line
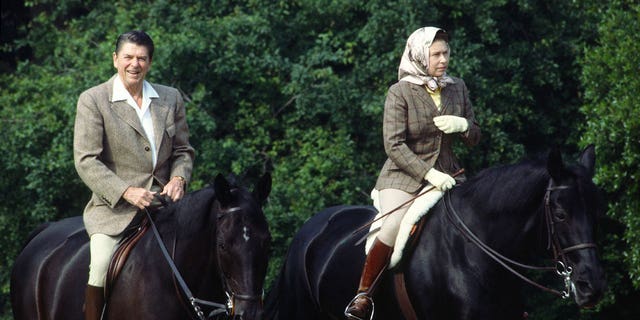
(415, 60)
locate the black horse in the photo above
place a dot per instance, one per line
(218, 237)
(517, 210)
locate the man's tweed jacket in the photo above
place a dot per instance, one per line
(111, 152)
(412, 141)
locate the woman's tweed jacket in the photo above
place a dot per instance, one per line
(412, 141)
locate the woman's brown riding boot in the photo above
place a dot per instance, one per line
(361, 307)
(93, 303)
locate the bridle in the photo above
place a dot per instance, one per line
(231, 295)
(562, 268)
(227, 308)
(553, 241)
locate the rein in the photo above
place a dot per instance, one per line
(219, 308)
(459, 172)
(562, 266)
(195, 302)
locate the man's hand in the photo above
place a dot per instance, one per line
(174, 189)
(138, 197)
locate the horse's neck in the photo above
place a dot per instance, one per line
(508, 213)
(194, 227)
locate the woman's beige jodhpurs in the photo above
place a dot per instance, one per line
(389, 200)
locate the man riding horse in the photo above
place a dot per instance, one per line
(131, 141)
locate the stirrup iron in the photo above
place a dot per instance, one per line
(361, 294)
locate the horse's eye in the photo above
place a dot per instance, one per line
(560, 215)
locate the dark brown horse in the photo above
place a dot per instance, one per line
(218, 237)
(521, 211)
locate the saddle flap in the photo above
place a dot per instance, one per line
(133, 234)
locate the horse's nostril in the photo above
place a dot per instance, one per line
(583, 288)
(586, 295)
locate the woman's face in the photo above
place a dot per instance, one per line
(438, 58)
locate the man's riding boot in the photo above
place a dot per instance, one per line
(361, 307)
(93, 303)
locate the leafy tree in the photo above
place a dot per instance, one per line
(611, 108)
(297, 88)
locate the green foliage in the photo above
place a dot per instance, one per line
(298, 87)
(611, 108)
(39, 182)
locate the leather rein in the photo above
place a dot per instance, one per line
(218, 308)
(562, 267)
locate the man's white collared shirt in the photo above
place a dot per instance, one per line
(120, 93)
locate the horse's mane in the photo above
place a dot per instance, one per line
(191, 212)
(495, 188)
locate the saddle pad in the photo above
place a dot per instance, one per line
(417, 210)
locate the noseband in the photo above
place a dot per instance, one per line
(562, 267)
(219, 308)
(553, 242)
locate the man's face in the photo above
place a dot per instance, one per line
(133, 63)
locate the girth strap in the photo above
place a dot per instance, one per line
(403, 297)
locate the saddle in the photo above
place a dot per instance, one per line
(130, 237)
(132, 234)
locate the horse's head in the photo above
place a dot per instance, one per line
(243, 242)
(572, 209)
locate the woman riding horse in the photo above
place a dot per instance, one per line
(523, 212)
(424, 112)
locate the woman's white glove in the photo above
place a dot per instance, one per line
(451, 124)
(440, 180)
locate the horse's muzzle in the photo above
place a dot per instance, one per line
(590, 285)
(248, 310)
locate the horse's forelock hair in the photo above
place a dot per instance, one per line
(246, 197)
(588, 189)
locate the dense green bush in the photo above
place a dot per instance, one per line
(297, 88)
(612, 106)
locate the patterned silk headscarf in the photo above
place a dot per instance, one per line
(415, 60)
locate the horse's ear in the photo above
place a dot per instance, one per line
(555, 166)
(588, 159)
(263, 188)
(222, 190)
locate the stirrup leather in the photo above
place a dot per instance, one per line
(365, 296)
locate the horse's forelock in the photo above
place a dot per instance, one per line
(588, 190)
